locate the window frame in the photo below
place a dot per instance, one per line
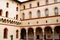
(6, 14)
(30, 14)
(39, 14)
(46, 12)
(5, 33)
(56, 11)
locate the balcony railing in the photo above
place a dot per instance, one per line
(11, 21)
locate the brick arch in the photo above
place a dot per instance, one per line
(47, 29)
(23, 33)
(39, 33)
(57, 29)
(31, 33)
(39, 28)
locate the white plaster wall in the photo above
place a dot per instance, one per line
(11, 31)
(12, 8)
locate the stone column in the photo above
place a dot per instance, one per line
(34, 34)
(43, 34)
(53, 33)
(26, 34)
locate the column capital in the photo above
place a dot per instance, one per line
(43, 30)
(34, 30)
(26, 30)
(53, 30)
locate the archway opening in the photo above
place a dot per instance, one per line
(39, 33)
(23, 34)
(48, 35)
(30, 34)
(57, 33)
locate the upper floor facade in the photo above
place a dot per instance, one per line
(31, 12)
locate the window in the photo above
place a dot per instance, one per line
(6, 13)
(7, 4)
(16, 33)
(5, 33)
(17, 17)
(46, 1)
(16, 8)
(24, 6)
(56, 11)
(30, 5)
(0, 12)
(38, 4)
(23, 15)
(55, 1)
(38, 13)
(46, 12)
(30, 15)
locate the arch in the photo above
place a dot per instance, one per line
(30, 34)
(48, 33)
(56, 11)
(48, 29)
(57, 29)
(57, 32)
(23, 33)
(5, 33)
(17, 33)
(46, 12)
(39, 28)
(39, 33)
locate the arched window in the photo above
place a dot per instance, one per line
(55, 1)
(24, 6)
(30, 5)
(23, 16)
(7, 4)
(17, 17)
(30, 15)
(38, 13)
(46, 1)
(38, 4)
(16, 8)
(56, 11)
(5, 33)
(46, 12)
(6, 13)
(0, 12)
(16, 33)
